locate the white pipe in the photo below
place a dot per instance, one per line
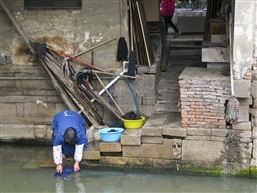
(113, 81)
(231, 57)
(109, 93)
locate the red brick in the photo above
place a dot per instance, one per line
(195, 119)
(202, 103)
(195, 113)
(210, 120)
(187, 103)
(197, 107)
(188, 122)
(209, 97)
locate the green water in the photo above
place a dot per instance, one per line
(20, 172)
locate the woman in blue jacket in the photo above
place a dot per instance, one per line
(69, 138)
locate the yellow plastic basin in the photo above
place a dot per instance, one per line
(133, 124)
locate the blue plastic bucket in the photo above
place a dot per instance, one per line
(111, 134)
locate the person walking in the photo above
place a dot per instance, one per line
(168, 10)
(68, 138)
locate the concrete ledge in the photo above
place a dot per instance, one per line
(246, 126)
(219, 132)
(110, 147)
(242, 88)
(92, 152)
(214, 52)
(202, 150)
(199, 132)
(17, 131)
(146, 70)
(175, 132)
(170, 149)
(152, 140)
(131, 137)
(126, 161)
(154, 125)
(192, 73)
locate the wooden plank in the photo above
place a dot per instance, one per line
(141, 36)
(49, 163)
(131, 26)
(101, 100)
(145, 33)
(137, 34)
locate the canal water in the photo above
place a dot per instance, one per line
(21, 172)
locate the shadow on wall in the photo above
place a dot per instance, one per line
(23, 55)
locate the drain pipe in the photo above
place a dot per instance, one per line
(231, 56)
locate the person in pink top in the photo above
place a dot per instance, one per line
(168, 10)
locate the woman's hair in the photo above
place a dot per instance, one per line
(70, 135)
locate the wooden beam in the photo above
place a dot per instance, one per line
(165, 56)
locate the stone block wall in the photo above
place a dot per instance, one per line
(28, 104)
(169, 148)
(29, 101)
(162, 145)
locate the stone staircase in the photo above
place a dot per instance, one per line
(184, 51)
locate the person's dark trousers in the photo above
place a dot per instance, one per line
(168, 21)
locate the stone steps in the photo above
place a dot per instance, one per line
(155, 129)
(166, 106)
(183, 52)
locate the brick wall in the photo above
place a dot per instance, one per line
(203, 103)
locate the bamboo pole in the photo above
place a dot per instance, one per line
(72, 57)
(90, 65)
(85, 51)
(121, 16)
(66, 88)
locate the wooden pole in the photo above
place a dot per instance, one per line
(76, 59)
(90, 65)
(143, 33)
(98, 45)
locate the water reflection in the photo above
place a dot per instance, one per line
(59, 184)
(21, 172)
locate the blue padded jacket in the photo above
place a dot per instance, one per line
(64, 120)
